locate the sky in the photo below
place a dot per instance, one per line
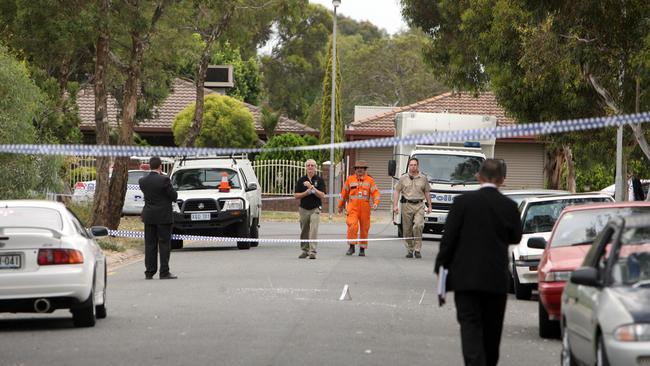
(384, 14)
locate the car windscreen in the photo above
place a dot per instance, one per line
(134, 177)
(581, 227)
(541, 216)
(449, 168)
(203, 178)
(36, 217)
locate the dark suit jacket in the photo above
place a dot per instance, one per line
(474, 247)
(637, 188)
(158, 198)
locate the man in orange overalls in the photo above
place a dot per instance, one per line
(358, 192)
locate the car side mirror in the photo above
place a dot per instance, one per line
(251, 187)
(587, 276)
(99, 231)
(536, 243)
(392, 167)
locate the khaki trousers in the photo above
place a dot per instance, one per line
(309, 228)
(413, 224)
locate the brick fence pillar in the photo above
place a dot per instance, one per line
(325, 173)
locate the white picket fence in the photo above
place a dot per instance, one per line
(276, 177)
(279, 177)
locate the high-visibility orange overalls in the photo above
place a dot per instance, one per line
(358, 193)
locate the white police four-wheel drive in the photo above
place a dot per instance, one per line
(217, 196)
(450, 169)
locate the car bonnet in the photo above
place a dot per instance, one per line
(635, 300)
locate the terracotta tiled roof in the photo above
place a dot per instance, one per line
(182, 95)
(462, 103)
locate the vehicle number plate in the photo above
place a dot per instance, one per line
(200, 216)
(10, 261)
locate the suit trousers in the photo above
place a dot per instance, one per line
(480, 315)
(413, 224)
(309, 228)
(157, 237)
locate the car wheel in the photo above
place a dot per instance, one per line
(547, 328)
(601, 352)
(100, 310)
(400, 231)
(522, 292)
(244, 231)
(566, 356)
(255, 232)
(85, 315)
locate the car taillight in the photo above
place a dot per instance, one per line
(80, 185)
(59, 256)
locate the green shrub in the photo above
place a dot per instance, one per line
(226, 123)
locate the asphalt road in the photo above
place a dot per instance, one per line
(265, 306)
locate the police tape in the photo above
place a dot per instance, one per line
(510, 131)
(140, 234)
(335, 195)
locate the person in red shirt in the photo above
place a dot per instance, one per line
(358, 196)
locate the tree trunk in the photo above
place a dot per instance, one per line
(213, 33)
(197, 121)
(101, 198)
(553, 168)
(571, 174)
(129, 106)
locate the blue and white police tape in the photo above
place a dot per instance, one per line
(336, 195)
(140, 234)
(515, 130)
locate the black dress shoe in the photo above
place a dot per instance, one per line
(417, 254)
(168, 276)
(409, 254)
(350, 251)
(148, 277)
(362, 252)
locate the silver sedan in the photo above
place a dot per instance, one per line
(606, 303)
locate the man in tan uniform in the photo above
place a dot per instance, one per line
(414, 189)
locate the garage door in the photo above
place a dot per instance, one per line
(378, 167)
(525, 164)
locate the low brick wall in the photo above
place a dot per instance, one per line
(286, 204)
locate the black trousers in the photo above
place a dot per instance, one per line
(480, 315)
(157, 237)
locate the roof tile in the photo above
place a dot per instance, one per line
(183, 94)
(461, 103)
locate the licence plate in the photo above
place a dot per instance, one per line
(10, 261)
(200, 216)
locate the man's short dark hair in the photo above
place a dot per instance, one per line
(493, 170)
(415, 159)
(154, 162)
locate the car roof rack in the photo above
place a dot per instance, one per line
(212, 157)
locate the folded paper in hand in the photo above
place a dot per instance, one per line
(442, 285)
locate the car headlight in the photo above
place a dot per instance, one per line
(633, 333)
(232, 205)
(557, 276)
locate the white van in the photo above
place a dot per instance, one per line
(217, 196)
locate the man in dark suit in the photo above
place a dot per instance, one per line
(474, 248)
(158, 218)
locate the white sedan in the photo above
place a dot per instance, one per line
(133, 201)
(49, 261)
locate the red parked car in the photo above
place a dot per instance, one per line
(571, 238)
